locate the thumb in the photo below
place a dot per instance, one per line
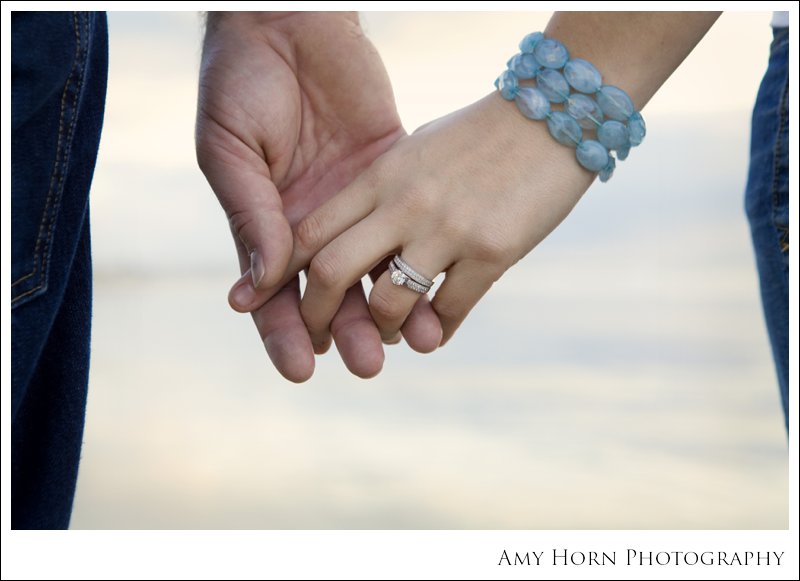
(260, 229)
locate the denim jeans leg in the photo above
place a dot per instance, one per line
(59, 63)
(767, 203)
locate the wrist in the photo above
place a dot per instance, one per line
(533, 145)
(636, 51)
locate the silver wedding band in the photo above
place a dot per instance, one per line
(402, 274)
(411, 273)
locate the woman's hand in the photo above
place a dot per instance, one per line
(469, 195)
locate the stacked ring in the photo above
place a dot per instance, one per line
(403, 275)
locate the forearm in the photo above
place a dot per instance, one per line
(636, 51)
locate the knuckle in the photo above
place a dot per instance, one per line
(309, 235)
(449, 310)
(341, 324)
(418, 201)
(203, 149)
(384, 309)
(457, 228)
(239, 222)
(491, 247)
(214, 148)
(492, 251)
(317, 323)
(323, 272)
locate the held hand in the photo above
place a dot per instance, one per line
(291, 108)
(469, 195)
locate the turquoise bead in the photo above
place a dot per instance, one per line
(551, 53)
(608, 171)
(583, 76)
(530, 41)
(507, 84)
(615, 102)
(553, 85)
(605, 110)
(636, 128)
(524, 65)
(592, 155)
(564, 128)
(584, 109)
(614, 135)
(532, 103)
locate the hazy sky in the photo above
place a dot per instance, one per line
(438, 62)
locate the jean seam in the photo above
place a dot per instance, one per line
(783, 122)
(63, 147)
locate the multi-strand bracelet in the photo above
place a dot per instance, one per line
(570, 84)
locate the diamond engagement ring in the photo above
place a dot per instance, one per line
(411, 273)
(403, 275)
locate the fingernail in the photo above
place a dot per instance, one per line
(256, 267)
(394, 339)
(242, 295)
(320, 348)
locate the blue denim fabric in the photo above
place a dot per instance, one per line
(59, 63)
(767, 203)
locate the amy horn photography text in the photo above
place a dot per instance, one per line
(633, 557)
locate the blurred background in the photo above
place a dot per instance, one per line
(618, 377)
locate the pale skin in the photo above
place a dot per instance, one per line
(469, 195)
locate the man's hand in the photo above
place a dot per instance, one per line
(291, 108)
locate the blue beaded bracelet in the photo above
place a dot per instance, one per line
(610, 114)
